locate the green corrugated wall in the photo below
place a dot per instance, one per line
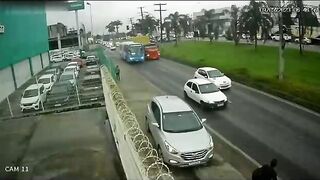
(26, 33)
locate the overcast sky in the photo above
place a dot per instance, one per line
(105, 11)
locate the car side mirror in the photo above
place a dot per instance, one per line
(203, 120)
(156, 125)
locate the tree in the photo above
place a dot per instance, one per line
(185, 23)
(173, 19)
(235, 24)
(147, 25)
(117, 23)
(200, 24)
(110, 27)
(253, 19)
(114, 25)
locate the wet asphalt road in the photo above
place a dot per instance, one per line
(263, 127)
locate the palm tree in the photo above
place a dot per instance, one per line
(174, 25)
(117, 23)
(148, 24)
(110, 27)
(200, 24)
(253, 19)
(185, 23)
(235, 23)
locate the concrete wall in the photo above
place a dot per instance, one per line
(36, 64)
(22, 72)
(45, 59)
(7, 83)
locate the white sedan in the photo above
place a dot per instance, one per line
(205, 93)
(214, 76)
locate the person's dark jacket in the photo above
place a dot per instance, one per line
(264, 173)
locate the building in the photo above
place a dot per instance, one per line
(23, 43)
(54, 29)
(220, 18)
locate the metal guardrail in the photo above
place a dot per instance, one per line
(129, 136)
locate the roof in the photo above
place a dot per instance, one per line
(75, 63)
(34, 86)
(200, 81)
(67, 73)
(172, 104)
(46, 76)
(207, 68)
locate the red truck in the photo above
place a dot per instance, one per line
(152, 51)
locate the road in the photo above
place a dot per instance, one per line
(308, 47)
(260, 125)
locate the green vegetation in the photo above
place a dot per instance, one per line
(257, 68)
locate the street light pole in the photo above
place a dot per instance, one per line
(77, 26)
(91, 19)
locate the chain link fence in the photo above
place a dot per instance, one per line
(105, 60)
(134, 146)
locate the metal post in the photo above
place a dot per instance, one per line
(281, 46)
(77, 93)
(78, 31)
(91, 20)
(9, 106)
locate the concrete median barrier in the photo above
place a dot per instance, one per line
(139, 159)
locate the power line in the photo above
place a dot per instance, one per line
(160, 10)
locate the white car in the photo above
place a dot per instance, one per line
(112, 48)
(276, 37)
(47, 80)
(305, 40)
(56, 58)
(33, 96)
(74, 64)
(214, 76)
(205, 93)
(68, 76)
(72, 69)
(69, 56)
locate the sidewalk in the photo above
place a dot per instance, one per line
(138, 92)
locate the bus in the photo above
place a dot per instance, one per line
(132, 52)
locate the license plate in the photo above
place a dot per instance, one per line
(220, 104)
(57, 105)
(194, 163)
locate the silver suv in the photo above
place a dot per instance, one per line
(180, 137)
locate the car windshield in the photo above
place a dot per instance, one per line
(135, 49)
(66, 77)
(214, 73)
(30, 93)
(69, 69)
(44, 80)
(177, 122)
(208, 88)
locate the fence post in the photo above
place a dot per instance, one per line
(9, 106)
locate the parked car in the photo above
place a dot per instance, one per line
(69, 56)
(55, 71)
(62, 92)
(68, 76)
(47, 80)
(73, 69)
(74, 64)
(113, 48)
(56, 58)
(205, 93)
(180, 138)
(33, 96)
(276, 37)
(213, 75)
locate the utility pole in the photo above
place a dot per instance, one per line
(160, 10)
(281, 46)
(141, 11)
(131, 25)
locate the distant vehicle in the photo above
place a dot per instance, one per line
(73, 69)
(180, 138)
(56, 58)
(189, 37)
(81, 63)
(61, 94)
(152, 51)
(214, 76)
(70, 77)
(47, 80)
(276, 37)
(113, 48)
(205, 93)
(117, 44)
(132, 52)
(305, 40)
(33, 96)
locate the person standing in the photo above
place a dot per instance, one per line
(266, 172)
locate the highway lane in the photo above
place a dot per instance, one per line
(261, 126)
